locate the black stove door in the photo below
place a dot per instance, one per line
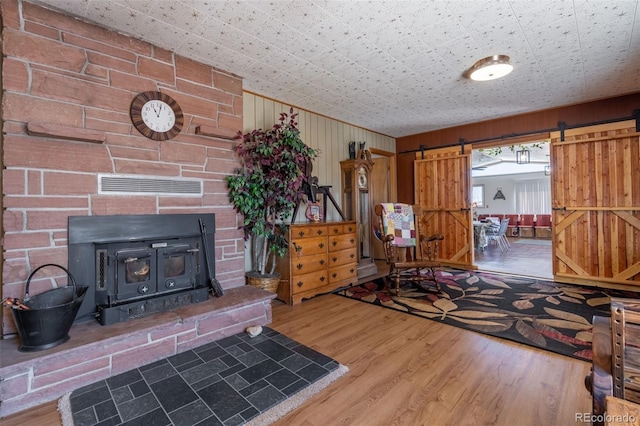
(135, 273)
(177, 267)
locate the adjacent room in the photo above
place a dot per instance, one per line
(320, 212)
(512, 183)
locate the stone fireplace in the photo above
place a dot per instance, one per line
(67, 90)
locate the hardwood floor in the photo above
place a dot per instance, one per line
(409, 371)
(526, 256)
(406, 370)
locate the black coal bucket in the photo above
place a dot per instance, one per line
(50, 315)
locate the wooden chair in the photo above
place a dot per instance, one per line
(410, 256)
(616, 356)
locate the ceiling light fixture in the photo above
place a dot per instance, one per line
(490, 68)
(523, 156)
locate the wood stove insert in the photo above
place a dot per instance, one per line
(136, 265)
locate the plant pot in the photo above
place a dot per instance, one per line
(267, 282)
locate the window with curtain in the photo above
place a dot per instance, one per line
(533, 196)
(478, 195)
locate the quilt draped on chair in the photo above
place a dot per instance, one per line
(397, 220)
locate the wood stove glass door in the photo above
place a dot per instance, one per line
(136, 273)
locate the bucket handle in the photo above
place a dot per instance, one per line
(73, 281)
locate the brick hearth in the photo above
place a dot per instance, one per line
(97, 352)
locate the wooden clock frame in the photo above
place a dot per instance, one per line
(136, 115)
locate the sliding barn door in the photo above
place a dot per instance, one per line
(595, 187)
(443, 190)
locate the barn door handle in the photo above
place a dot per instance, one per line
(559, 208)
(465, 209)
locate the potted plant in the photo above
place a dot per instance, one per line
(266, 189)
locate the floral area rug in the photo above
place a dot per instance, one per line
(548, 315)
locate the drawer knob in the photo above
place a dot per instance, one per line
(335, 230)
(299, 266)
(321, 245)
(322, 261)
(334, 243)
(334, 259)
(352, 241)
(319, 231)
(301, 233)
(322, 278)
(299, 283)
(351, 270)
(334, 275)
(353, 255)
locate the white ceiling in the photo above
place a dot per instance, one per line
(502, 160)
(396, 67)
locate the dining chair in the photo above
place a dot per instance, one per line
(499, 235)
(410, 255)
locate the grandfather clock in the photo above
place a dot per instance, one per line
(356, 203)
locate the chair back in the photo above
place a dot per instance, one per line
(398, 228)
(504, 224)
(526, 221)
(543, 220)
(398, 220)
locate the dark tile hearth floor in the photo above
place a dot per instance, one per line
(226, 382)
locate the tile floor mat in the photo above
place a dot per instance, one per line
(226, 382)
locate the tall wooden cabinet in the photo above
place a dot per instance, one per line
(322, 257)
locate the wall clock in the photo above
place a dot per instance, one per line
(156, 115)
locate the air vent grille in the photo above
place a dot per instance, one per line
(109, 184)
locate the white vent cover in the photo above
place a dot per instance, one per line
(121, 184)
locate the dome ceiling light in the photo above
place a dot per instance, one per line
(490, 68)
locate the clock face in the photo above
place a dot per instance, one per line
(156, 115)
(362, 177)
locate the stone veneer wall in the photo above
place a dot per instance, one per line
(67, 89)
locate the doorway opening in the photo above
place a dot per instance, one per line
(513, 182)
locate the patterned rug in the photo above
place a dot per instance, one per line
(552, 316)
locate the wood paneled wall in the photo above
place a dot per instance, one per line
(503, 128)
(331, 137)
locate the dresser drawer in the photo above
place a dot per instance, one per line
(342, 257)
(308, 232)
(341, 229)
(308, 246)
(304, 264)
(342, 273)
(341, 242)
(301, 283)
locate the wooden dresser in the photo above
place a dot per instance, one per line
(321, 258)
